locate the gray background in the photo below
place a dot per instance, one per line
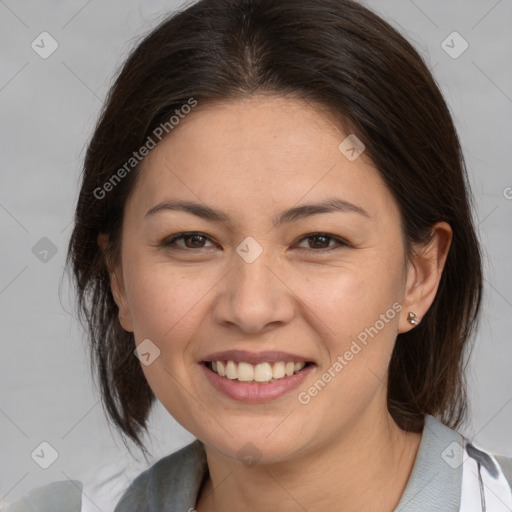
(49, 107)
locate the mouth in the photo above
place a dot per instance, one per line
(265, 372)
(256, 377)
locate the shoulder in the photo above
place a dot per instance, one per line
(490, 473)
(505, 464)
(172, 483)
(497, 466)
(62, 496)
(451, 473)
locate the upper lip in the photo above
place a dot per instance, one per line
(255, 357)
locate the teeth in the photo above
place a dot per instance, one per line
(278, 370)
(245, 372)
(231, 370)
(262, 372)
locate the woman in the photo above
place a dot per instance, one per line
(274, 239)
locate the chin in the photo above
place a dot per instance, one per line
(252, 448)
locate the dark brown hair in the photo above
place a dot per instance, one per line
(333, 53)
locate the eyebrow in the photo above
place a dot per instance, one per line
(292, 215)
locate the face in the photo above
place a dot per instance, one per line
(252, 276)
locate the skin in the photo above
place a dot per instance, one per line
(253, 159)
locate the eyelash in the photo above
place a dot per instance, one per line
(168, 243)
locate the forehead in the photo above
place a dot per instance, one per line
(259, 153)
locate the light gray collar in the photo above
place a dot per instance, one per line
(174, 482)
(434, 485)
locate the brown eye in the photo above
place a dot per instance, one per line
(322, 241)
(194, 241)
(190, 241)
(319, 241)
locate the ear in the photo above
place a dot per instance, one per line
(424, 274)
(116, 286)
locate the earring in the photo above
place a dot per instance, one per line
(411, 318)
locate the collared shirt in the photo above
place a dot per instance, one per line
(450, 474)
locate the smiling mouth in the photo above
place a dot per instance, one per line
(261, 373)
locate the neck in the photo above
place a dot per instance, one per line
(365, 466)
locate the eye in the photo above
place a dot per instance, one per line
(192, 240)
(320, 242)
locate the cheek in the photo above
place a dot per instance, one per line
(356, 310)
(358, 319)
(163, 299)
(351, 298)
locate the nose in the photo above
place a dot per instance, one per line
(253, 296)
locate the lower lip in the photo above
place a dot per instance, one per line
(255, 392)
